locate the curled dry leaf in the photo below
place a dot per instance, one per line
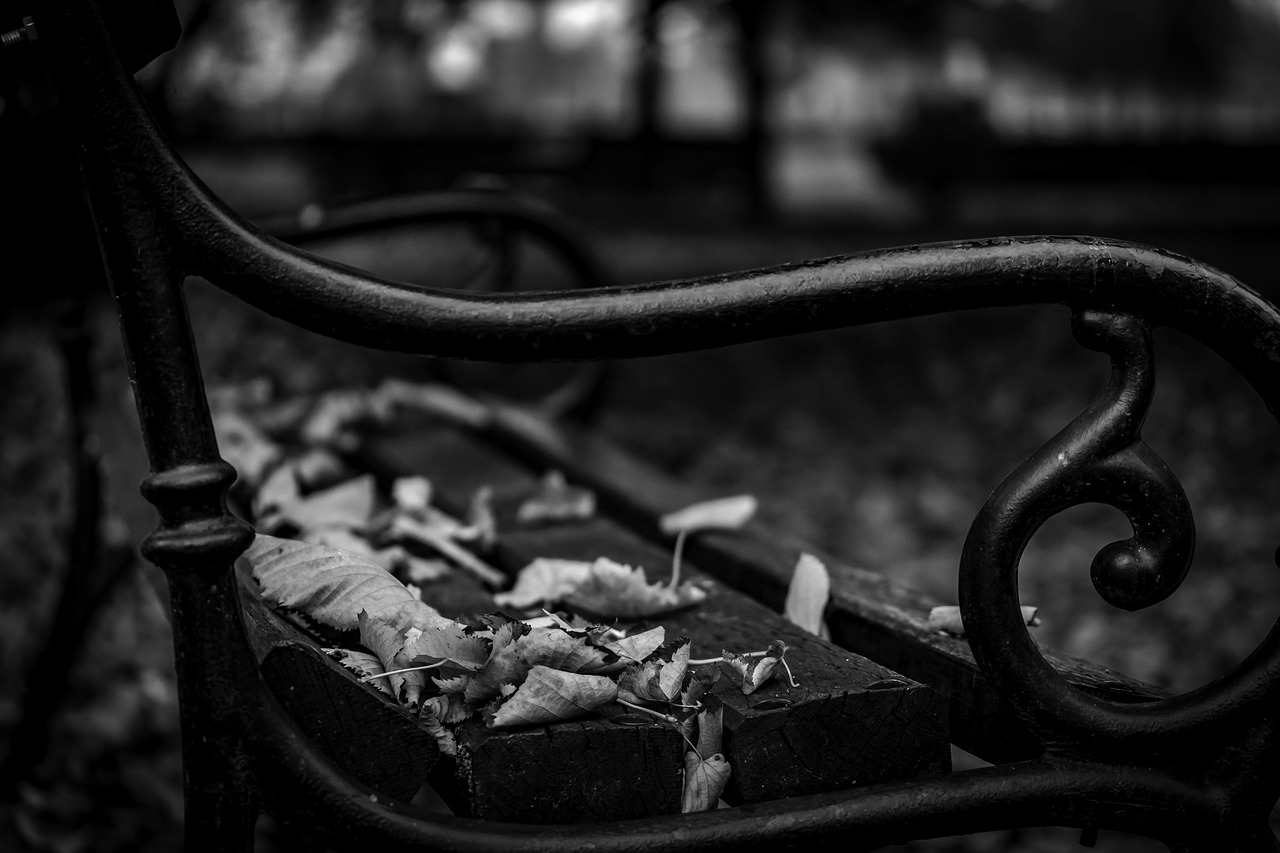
(718, 514)
(347, 505)
(637, 647)
(756, 671)
(363, 665)
(245, 446)
(548, 696)
(704, 782)
(808, 594)
(658, 679)
(947, 618)
(614, 590)
(544, 582)
(556, 501)
(711, 727)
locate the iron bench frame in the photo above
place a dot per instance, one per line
(1198, 771)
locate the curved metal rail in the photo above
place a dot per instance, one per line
(1199, 771)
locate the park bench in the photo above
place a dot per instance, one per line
(1072, 744)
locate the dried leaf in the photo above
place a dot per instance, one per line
(808, 594)
(660, 678)
(440, 539)
(556, 501)
(347, 505)
(363, 665)
(333, 587)
(449, 644)
(947, 618)
(411, 494)
(711, 726)
(385, 637)
(543, 582)
(718, 514)
(482, 525)
(756, 671)
(704, 782)
(245, 446)
(548, 695)
(637, 647)
(318, 468)
(614, 590)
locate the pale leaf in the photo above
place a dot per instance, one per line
(637, 647)
(808, 594)
(245, 446)
(332, 587)
(718, 514)
(756, 671)
(543, 582)
(346, 505)
(556, 501)
(319, 468)
(332, 421)
(660, 678)
(411, 494)
(704, 782)
(549, 696)
(711, 726)
(385, 637)
(363, 665)
(947, 618)
(450, 644)
(614, 590)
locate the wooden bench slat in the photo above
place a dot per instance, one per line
(833, 733)
(868, 613)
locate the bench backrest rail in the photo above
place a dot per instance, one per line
(1200, 770)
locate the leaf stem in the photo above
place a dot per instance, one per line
(675, 559)
(391, 672)
(785, 666)
(666, 718)
(705, 661)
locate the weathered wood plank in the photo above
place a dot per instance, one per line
(868, 613)
(833, 730)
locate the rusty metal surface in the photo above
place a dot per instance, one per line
(1198, 771)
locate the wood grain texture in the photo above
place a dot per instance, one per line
(835, 730)
(868, 613)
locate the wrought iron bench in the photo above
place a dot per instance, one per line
(1197, 771)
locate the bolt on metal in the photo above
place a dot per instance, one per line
(24, 34)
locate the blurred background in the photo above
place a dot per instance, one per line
(691, 137)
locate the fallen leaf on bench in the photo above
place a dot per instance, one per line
(386, 637)
(543, 582)
(346, 505)
(556, 501)
(336, 414)
(637, 647)
(448, 645)
(711, 727)
(549, 696)
(718, 514)
(245, 446)
(362, 664)
(614, 590)
(704, 782)
(659, 679)
(412, 494)
(947, 618)
(333, 587)
(807, 596)
(438, 533)
(756, 671)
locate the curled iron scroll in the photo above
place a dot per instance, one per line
(1100, 457)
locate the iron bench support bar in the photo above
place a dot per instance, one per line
(157, 224)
